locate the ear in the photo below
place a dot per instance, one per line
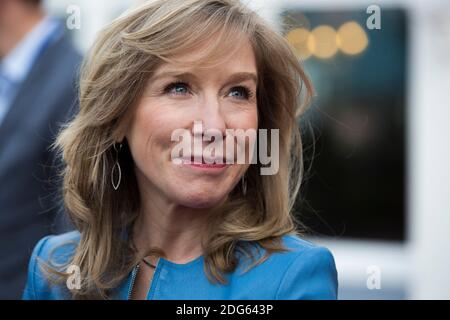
(118, 132)
(118, 138)
(122, 130)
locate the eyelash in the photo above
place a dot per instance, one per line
(248, 94)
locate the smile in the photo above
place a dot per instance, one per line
(210, 165)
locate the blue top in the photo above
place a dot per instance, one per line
(307, 271)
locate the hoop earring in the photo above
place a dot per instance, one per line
(244, 185)
(116, 165)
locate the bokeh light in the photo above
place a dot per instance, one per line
(351, 38)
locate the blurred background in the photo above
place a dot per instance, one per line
(376, 189)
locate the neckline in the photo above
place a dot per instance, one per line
(163, 261)
(181, 265)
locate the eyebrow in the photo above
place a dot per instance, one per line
(236, 77)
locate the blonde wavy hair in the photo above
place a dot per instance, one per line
(113, 77)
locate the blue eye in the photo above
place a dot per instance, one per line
(240, 93)
(182, 88)
(179, 88)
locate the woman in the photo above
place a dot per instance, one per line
(149, 227)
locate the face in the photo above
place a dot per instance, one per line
(221, 97)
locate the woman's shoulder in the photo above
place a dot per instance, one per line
(51, 250)
(308, 270)
(57, 248)
(297, 246)
(298, 243)
(56, 240)
(311, 272)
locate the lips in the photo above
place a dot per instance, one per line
(207, 161)
(208, 166)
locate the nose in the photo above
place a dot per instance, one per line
(210, 114)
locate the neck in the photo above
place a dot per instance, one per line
(175, 229)
(16, 29)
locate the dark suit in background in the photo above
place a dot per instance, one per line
(28, 178)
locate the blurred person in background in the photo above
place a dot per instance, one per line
(38, 65)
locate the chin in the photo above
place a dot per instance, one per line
(201, 200)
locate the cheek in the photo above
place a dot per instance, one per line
(243, 119)
(250, 120)
(148, 134)
(154, 121)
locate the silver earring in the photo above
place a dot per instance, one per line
(116, 165)
(244, 185)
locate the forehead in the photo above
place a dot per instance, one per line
(239, 57)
